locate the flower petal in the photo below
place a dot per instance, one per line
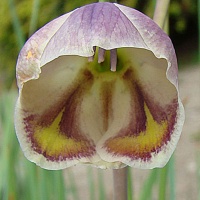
(29, 60)
(98, 24)
(155, 39)
(154, 117)
(70, 112)
(47, 115)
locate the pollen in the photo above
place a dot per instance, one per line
(29, 55)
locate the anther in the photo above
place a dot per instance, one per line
(91, 58)
(113, 60)
(101, 55)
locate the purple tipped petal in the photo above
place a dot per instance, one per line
(78, 107)
(98, 24)
(29, 60)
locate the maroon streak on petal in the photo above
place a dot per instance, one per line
(67, 127)
(106, 93)
(74, 111)
(140, 126)
(137, 114)
(118, 145)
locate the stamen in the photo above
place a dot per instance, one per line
(113, 60)
(101, 55)
(91, 58)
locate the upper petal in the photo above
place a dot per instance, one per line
(156, 40)
(110, 26)
(29, 60)
(98, 24)
(105, 25)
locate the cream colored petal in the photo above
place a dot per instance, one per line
(156, 96)
(60, 92)
(47, 116)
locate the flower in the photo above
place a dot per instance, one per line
(98, 86)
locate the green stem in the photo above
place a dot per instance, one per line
(163, 183)
(34, 17)
(16, 24)
(146, 191)
(171, 172)
(199, 28)
(73, 187)
(198, 174)
(91, 183)
(120, 183)
(130, 184)
(101, 187)
(160, 13)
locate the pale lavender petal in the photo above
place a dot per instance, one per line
(98, 24)
(95, 108)
(29, 60)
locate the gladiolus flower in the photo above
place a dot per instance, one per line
(98, 86)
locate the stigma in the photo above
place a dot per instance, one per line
(101, 57)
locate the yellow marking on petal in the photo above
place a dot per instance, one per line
(146, 142)
(29, 55)
(56, 144)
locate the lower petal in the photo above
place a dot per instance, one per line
(151, 132)
(48, 116)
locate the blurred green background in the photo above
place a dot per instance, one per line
(20, 179)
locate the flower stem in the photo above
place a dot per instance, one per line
(120, 183)
(160, 13)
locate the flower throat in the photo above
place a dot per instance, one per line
(105, 62)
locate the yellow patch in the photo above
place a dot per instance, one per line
(144, 143)
(29, 55)
(56, 144)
